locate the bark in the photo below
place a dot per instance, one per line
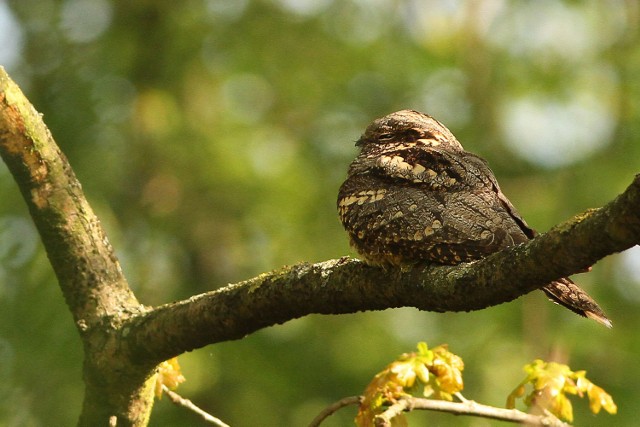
(124, 341)
(84, 262)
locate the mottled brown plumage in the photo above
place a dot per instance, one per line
(414, 195)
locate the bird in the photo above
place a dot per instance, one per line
(414, 195)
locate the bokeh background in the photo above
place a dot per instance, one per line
(211, 137)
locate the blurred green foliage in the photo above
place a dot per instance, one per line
(211, 137)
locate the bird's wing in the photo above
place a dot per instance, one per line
(436, 206)
(482, 166)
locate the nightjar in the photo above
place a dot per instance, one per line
(414, 195)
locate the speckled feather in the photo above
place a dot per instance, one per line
(414, 195)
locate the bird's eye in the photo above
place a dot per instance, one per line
(412, 134)
(427, 135)
(385, 137)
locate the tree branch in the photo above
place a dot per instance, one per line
(187, 404)
(87, 269)
(468, 407)
(74, 239)
(334, 407)
(346, 285)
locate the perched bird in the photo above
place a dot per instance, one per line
(414, 195)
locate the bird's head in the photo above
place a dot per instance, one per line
(406, 128)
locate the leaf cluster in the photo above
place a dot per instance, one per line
(551, 382)
(169, 375)
(436, 372)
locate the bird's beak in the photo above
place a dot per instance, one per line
(360, 142)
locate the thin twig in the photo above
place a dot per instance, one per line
(384, 419)
(334, 407)
(186, 403)
(466, 407)
(460, 397)
(469, 407)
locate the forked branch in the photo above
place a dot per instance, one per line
(124, 340)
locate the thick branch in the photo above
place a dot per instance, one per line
(348, 286)
(87, 269)
(76, 244)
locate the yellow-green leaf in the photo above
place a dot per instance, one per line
(551, 383)
(169, 374)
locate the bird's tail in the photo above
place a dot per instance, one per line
(571, 296)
